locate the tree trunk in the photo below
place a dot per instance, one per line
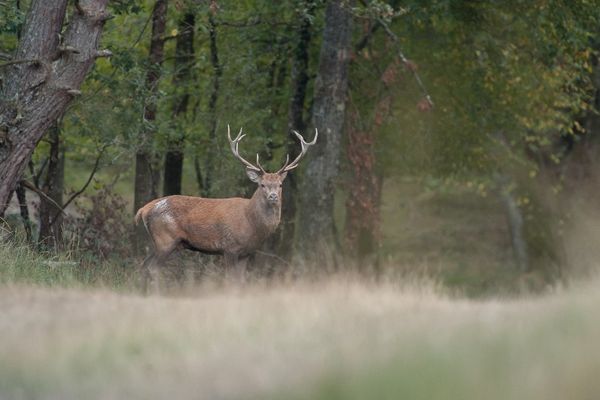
(44, 79)
(316, 196)
(362, 230)
(363, 222)
(184, 59)
(24, 210)
(514, 218)
(146, 169)
(212, 107)
(296, 122)
(50, 235)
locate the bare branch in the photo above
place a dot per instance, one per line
(14, 62)
(43, 195)
(68, 49)
(38, 175)
(410, 65)
(85, 186)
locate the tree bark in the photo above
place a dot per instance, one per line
(146, 169)
(515, 222)
(184, 59)
(316, 196)
(36, 91)
(50, 235)
(24, 210)
(296, 121)
(362, 229)
(212, 106)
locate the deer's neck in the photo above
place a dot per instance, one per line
(266, 215)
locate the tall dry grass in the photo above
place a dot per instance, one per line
(334, 339)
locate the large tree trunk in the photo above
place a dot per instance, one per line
(50, 235)
(362, 230)
(146, 168)
(209, 169)
(184, 59)
(296, 122)
(316, 196)
(43, 79)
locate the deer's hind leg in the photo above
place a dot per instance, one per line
(163, 248)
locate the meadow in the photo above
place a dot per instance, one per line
(333, 338)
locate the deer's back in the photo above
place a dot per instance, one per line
(209, 225)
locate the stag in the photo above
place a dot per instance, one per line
(233, 227)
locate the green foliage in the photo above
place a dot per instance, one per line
(517, 69)
(11, 20)
(254, 41)
(126, 6)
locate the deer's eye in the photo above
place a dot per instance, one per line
(262, 185)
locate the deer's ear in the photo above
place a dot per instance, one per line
(283, 175)
(253, 175)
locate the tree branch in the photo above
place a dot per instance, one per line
(14, 62)
(84, 187)
(405, 60)
(36, 177)
(43, 195)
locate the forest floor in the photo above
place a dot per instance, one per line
(337, 339)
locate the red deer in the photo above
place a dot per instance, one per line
(233, 227)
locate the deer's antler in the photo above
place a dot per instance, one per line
(305, 145)
(235, 149)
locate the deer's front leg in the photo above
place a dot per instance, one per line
(235, 267)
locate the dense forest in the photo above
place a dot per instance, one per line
(446, 128)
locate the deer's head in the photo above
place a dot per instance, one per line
(269, 183)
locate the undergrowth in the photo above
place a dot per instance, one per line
(19, 263)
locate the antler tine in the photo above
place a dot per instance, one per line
(305, 145)
(287, 160)
(234, 144)
(260, 166)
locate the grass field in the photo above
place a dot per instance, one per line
(334, 340)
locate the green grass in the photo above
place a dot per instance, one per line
(19, 263)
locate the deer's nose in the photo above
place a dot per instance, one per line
(272, 197)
